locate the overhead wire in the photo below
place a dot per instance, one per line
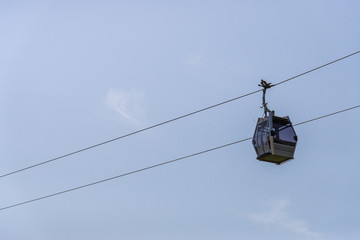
(160, 164)
(317, 68)
(171, 120)
(327, 115)
(127, 135)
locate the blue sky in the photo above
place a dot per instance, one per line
(76, 73)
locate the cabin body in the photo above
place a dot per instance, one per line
(274, 139)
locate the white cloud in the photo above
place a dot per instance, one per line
(130, 105)
(277, 216)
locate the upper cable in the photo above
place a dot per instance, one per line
(171, 120)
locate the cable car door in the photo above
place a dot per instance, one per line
(262, 138)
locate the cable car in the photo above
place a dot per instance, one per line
(274, 137)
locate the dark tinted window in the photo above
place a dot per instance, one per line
(283, 131)
(287, 134)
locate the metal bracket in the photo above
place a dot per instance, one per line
(265, 86)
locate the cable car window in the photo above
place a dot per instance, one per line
(259, 143)
(287, 134)
(262, 134)
(284, 133)
(255, 138)
(258, 137)
(275, 130)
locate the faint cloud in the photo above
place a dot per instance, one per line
(130, 105)
(194, 59)
(277, 216)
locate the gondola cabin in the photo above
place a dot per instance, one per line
(274, 139)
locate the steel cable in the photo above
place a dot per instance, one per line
(161, 164)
